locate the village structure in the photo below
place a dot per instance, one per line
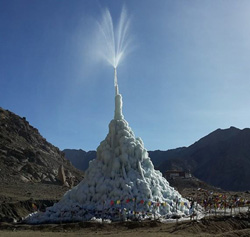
(173, 174)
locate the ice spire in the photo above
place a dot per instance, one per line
(118, 100)
(123, 174)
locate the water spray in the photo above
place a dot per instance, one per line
(116, 40)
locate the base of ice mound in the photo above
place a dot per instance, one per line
(120, 183)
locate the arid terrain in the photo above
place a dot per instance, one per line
(17, 199)
(213, 226)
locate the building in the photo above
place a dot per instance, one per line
(173, 174)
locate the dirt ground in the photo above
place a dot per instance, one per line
(213, 226)
(16, 201)
(20, 191)
(17, 198)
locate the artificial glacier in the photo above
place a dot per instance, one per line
(121, 181)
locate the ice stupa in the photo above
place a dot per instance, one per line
(121, 178)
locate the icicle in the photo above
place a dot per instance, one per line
(118, 100)
(124, 172)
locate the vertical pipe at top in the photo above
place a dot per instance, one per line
(116, 82)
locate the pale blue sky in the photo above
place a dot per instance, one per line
(187, 75)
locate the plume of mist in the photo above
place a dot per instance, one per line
(114, 40)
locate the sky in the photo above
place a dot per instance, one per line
(186, 75)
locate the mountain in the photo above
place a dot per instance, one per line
(79, 158)
(158, 156)
(221, 159)
(26, 156)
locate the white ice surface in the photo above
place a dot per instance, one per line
(121, 171)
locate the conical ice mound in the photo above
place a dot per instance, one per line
(121, 179)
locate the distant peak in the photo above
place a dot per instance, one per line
(232, 127)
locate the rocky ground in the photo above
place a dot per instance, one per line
(213, 226)
(193, 188)
(17, 199)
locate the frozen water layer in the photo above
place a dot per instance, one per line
(122, 173)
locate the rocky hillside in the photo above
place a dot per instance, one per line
(221, 159)
(25, 155)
